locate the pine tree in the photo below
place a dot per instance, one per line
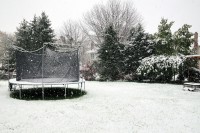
(141, 45)
(23, 35)
(32, 36)
(110, 56)
(46, 33)
(183, 40)
(164, 40)
(34, 32)
(170, 44)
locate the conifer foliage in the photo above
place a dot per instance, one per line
(163, 38)
(140, 45)
(168, 43)
(183, 40)
(23, 38)
(32, 35)
(110, 56)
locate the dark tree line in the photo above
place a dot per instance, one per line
(120, 60)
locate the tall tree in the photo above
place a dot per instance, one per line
(169, 43)
(32, 36)
(122, 15)
(164, 40)
(110, 56)
(72, 34)
(23, 38)
(46, 33)
(183, 40)
(7, 56)
(140, 45)
(2, 46)
(34, 32)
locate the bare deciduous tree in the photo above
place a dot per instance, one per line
(72, 34)
(6, 42)
(2, 46)
(7, 60)
(121, 15)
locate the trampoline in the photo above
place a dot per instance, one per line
(50, 66)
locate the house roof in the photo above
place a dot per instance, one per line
(193, 56)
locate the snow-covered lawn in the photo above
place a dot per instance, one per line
(120, 107)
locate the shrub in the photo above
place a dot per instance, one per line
(159, 68)
(89, 72)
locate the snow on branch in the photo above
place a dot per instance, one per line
(160, 62)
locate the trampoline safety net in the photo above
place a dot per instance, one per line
(50, 67)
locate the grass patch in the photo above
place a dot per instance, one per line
(49, 93)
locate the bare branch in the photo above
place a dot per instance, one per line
(72, 34)
(122, 15)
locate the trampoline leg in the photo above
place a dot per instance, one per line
(42, 92)
(65, 91)
(10, 86)
(79, 87)
(20, 91)
(84, 86)
(15, 87)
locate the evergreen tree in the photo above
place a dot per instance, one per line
(164, 40)
(23, 35)
(168, 43)
(32, 36)
(183, 40)
(110, 56)
(46, 33)
(141, 45)
(34, 32)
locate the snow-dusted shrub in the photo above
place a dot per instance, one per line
(159, 68)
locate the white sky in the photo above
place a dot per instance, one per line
(12, 12)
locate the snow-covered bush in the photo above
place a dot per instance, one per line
(159, 68)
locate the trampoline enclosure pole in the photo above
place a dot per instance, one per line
(20, 91)
(42, 72)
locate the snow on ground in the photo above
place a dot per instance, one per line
(121, 107)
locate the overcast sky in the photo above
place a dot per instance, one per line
(182, 12)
